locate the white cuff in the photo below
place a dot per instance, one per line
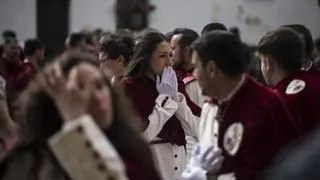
(75, 123)
(163, 100)
(81, 146)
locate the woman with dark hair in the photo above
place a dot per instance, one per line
(70, 101)
(164, 111)
(115, 54)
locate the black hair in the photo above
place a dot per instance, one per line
(235, 30)
(139, 35)
(10, 40)
(142, 53)
(115, 46)
(31, 46)
(225, 49)
(188, 36)
(75, 39)
(9, 34)
(317, 43)
(170, 34)
(285, 47)
(213, 27)
(127, 37)
(305, 33)
(89, 38)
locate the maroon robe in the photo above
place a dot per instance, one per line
(182, 75)
(135, 172)
(17, 75)
(196, 110)
(187, 77)
(268, 126)
(143, 93)
(17, 78)
(304, 104)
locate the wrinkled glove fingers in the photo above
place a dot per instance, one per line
(216, 165)
(206, 153)
(214, 155)
(164, 74)
(158, 81)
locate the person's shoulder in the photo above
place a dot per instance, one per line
(255, 88)
(129, 81)
(133, 85)
(301, 84)
(263, 97)
(28, 68)
(188, 79)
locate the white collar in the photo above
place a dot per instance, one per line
(234, 91)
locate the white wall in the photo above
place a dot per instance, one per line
(180, 13)
(272, 13)
(20, 16)
(92, 14)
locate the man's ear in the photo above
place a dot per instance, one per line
(38, 52)
(187, 51)
(211, 69)
(269, 63)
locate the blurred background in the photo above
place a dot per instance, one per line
(53, 20)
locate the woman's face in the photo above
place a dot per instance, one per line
(161, 57)
(113, 65)
(100, 106)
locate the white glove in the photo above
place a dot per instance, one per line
(193, 173)
(168, 84)
(202, 163)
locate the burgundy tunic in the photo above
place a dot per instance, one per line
(313, 70)
(136, 172)
(268, 126)
(17, 78)
(17, 75)
(305, 101)
(185, 78)
(143, 93)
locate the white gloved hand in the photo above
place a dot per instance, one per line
(168, 84)
(203, 162)
(194, 173)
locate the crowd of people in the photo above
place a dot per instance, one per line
(151, 106)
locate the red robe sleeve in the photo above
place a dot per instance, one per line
(142, 99)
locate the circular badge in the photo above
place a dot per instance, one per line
(233, 137)
(295, 86)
